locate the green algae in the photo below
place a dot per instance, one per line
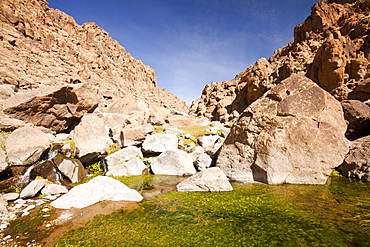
(252, 215)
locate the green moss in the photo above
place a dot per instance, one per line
(112, 148)
(194, 131)
(252, 215)
(29, 227)
(158, 128)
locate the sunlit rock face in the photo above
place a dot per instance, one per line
(331, 47)
(293, 134)
(41, 46)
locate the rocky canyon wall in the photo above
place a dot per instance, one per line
(41, 46)
(331, 47)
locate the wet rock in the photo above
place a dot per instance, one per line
(73, 170)
(158, 143)
(135, 134)
(25, 145)
(208, 180)
(32, 189)
(357, 162)
(357, 114)
(54, 189)
(45, 170)
(98, 189)
(132, 167)
(123, 155)
(173, 162)
(294, 134)
(91, 135)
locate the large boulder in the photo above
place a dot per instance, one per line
(32, 188)
(123, 155)
(173, 162)
(357, 162)
(58, 108)
(98, 189)
(293, 134)
(133, 167)
(25, 145)
(208, 180)
(135, 134)
(91, 135)
(158, 143)
(357, 115)
(73, 170)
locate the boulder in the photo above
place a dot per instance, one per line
(32, 188)
(3, 164)
(293, 134)
(158, 143)
(25, 145)
(11, 196)
(357, 115)
(123, 155)
(210, 143)
(58, 108)
(202, 161)
(208, 180)
(91, 135)
(357, 162)
(54, 189)
(98, 189)
(73, 170)
(133, 167)
(46, 170)
(173, 162)
(11, 124)
(134, 134)
(6, 91)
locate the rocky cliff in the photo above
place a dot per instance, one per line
(41, 46)
(331, 47)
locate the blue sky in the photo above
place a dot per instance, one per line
(193, 42)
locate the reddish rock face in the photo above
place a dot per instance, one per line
(293, 134)
(41, 46)
(331, 47)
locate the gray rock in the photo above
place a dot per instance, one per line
(98, 189)
(133, 167)
(91, 135)
(203, 161)
(210, 143)
(135, 134)
(293, 134)
(54, 189)
(123, 155)
(158, 143)
(73, 170)
(173, 162)
(25, 145)
(208, 180)
(357, 162)
(32, 189)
